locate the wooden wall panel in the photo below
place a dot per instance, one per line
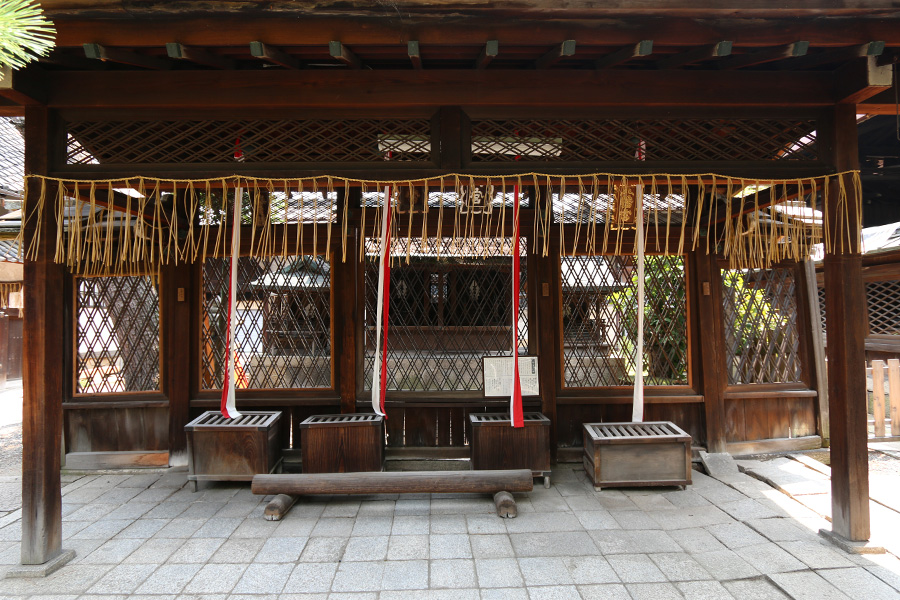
(772, 417)
(116, 429)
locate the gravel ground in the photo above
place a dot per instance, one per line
(11, 450)
(879, 462)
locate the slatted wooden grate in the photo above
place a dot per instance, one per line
(762, 341)
(251, 141)
(634, 430)
(247, 419)
(116, 335)
(599, 306)
(283, 334)
(341, 419)
(530, 417)
(450, 306)
(532, 140)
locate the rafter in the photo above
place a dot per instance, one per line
(836, 55)
(758, 57)
(623, 55)
(488, 53)
(198, 56)
(125, 57)
(342, 53)
(717, 50)
(412, 49)
(274, 55)
(567, 48)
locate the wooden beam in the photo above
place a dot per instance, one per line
(817, 343)
(177, 299)
(710, 341)
(43, 359)
(154, 31)
(882, 103)
(488, 53)
(623, 55)
(343, 54)
(836, 55)
(125, 57)
(758, 57)
(274, 55)
(717, 50)
(20, 87)
(412, 49)
(861, 79)
(199, 56)
(567, 48)
(847, 326)
(338, 89)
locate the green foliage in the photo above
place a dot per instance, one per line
(755, 319)
(665, 319)
(24, 33)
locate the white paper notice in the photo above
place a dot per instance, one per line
(498, 374)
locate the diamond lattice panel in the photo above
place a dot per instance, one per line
(446, 313)
(626, 140)
(761, 336)
(251, 141)
(599, 300)
(283, 335)
(117, 335)
(884, 312)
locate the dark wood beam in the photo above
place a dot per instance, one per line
(567, 48)
(343, 54)
(847, 326)
(882, 103)
(758, 57)
(274, 55)
(199, 56)
(623, 55)
(861, 79)
(235, 30)
(717, 50)
(125, 57)
(488, 53)
(22, 87)
(207, 90)
(828, 57)
(412, 49)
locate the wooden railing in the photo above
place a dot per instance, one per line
(884, 408)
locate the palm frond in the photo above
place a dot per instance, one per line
(25, 33)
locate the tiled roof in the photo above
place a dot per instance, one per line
(9, 251)
(12, 155)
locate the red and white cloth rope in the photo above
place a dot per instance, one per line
(516, 417)
(229, 411)
(379, 375)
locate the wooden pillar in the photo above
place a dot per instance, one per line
(710, 335)
(345, 297)
(845, 302)
(177, 296)
(43, 358)
(545, 276)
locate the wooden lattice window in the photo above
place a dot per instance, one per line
(884, 309)
(761, 335)
(599, 320)
(283, 335)
(450, 306)
(533, 140)
(249, 141)
(116, 335)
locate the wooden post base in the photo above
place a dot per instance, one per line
(278, 507)
(506, 505)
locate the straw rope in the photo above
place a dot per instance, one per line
(158, 221)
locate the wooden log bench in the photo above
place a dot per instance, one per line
(289, 487)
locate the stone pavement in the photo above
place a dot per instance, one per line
(147, 536)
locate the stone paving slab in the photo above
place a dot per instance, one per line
(148, 537)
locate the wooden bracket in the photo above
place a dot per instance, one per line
(488, 53)
(412, 49)
(342, 53)
(199, 56)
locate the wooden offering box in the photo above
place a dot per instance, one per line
(342, 443)
(637, 454)
(498, 445)
(221, 449)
